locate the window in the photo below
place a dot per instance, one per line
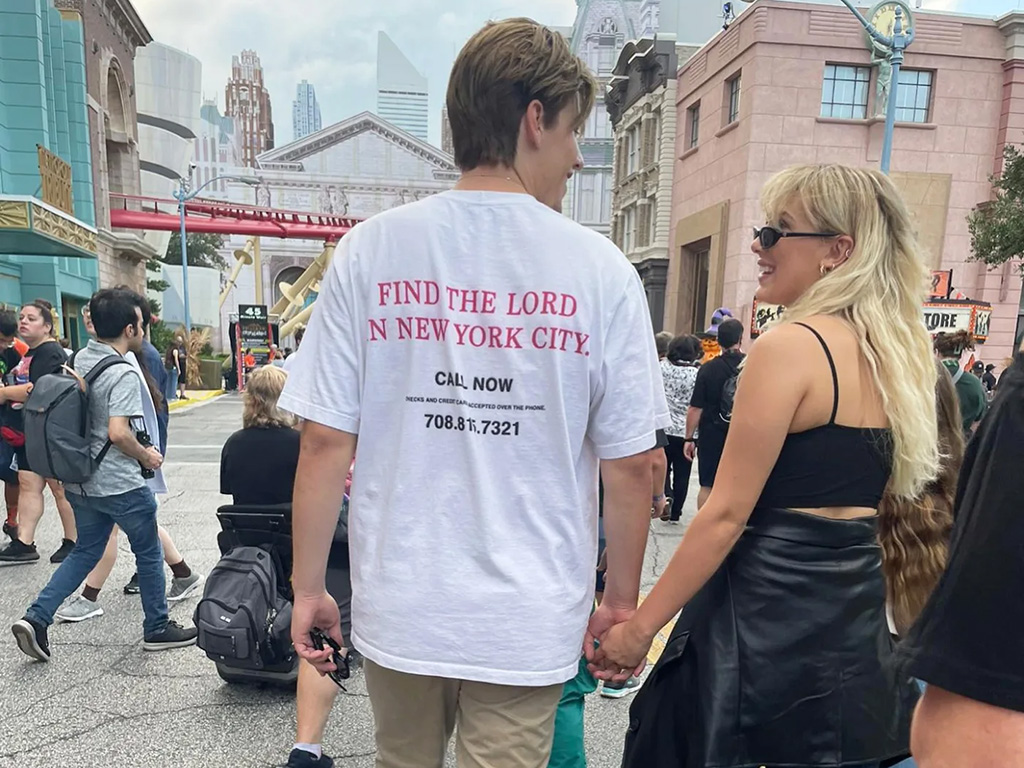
(693, 126)
(598, 124)
(628, 229)
(844, 92)
(588, 198)
(914, 96)
(605, 59)
(732, 100)
(632, 145)
(652, 235)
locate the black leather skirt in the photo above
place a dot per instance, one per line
(784, 658)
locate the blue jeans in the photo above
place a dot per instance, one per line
(95, 516)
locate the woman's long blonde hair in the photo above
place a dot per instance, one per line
(259, 404)
(879, 292)
(915, 534)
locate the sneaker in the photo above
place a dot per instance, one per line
(78, 608)
(11, 530)
(61, 554)
(31, 637)
(132, 587)
(620, 690)
(17, 552)
(173, 636)
(183, 588)
(300, 758)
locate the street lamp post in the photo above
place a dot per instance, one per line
(183, 195)
(896, 45)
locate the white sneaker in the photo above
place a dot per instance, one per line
(183, 588)
(78, 609)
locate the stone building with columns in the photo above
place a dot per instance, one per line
(797, 82)
(357, 167)
(641, 105)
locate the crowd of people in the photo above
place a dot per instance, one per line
(846, 595)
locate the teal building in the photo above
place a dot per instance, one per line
(48, 239)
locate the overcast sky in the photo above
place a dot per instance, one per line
(333, 43)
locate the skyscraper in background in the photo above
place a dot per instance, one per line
(305, 111)
(446, 132)
(247, 99)
(401, 89)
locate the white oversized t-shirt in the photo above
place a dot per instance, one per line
(488, 352)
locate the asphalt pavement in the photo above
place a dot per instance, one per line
(102, 701)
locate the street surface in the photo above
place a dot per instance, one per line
(102, 701)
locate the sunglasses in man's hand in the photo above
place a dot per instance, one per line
(341, 671)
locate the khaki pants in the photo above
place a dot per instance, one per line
(499, 726)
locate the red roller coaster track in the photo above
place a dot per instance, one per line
(223, 218)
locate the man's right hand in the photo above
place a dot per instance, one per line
(153, 458)
(316, 611)
(690, 451)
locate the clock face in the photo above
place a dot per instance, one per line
(883, 17)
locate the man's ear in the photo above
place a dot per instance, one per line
(532, 124)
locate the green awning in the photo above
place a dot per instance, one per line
(30, 226)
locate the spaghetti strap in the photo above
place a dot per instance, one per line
(832, 365)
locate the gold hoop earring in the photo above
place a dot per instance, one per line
(823, 269)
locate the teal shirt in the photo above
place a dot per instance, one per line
(971, 394)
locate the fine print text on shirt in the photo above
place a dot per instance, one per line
(475, 301)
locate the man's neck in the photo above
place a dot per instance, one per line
(119, 344)
(492, 178)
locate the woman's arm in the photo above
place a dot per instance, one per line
(770, 390)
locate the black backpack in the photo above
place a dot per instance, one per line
(728, 397)
(244, 620)
(58, 426)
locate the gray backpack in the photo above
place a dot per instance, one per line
(243, 619)
(58, 425)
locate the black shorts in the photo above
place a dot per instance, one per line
(22, 459)
(709, 453)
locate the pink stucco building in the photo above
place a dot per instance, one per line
(793, 82)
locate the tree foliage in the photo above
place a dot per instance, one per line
(201, 250)
(997, 227)
(155, 285)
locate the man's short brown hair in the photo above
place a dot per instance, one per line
(504, 67)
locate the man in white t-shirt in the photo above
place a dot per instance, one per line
(490, 355)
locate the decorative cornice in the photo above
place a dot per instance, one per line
(317, 142)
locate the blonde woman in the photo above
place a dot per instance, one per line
(782, 656)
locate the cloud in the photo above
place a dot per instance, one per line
(331, 44)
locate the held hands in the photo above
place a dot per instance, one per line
(320, 611)
(622, 648)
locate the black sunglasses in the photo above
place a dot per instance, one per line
(770, 236)
(342, 671)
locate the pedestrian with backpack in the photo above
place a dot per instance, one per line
(711, 406)
(103, 468)
(44, 357)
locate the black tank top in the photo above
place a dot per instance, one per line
(832, 465)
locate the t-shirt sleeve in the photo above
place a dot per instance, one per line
(700, 387)
(125, 398)
(325, 384)
(47, 358)
(628, 403)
